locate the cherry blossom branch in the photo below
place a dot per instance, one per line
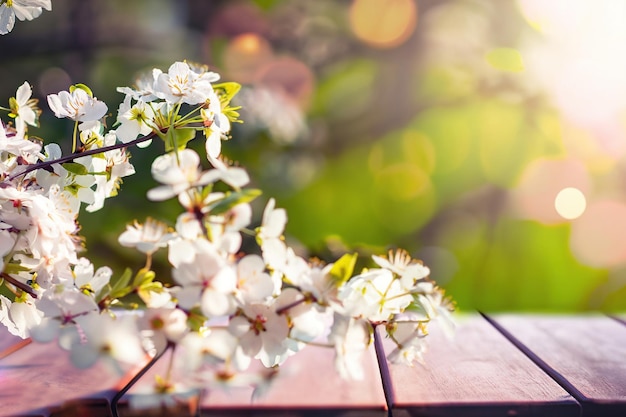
(289, 306)
(68, 158)
(18, 284)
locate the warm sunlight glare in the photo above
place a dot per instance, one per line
(570, 203)
(581, 61)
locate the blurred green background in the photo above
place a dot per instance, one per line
(485, 137)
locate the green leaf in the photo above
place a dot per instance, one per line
(143, 277)
(505, 59)
(15, 268)
(342, 270)
(81, 87)
(232, 114)
(148, 287)
(226, 91)
(178, 138)
(146, 290)
(196, 320)
(119, 286)
(14, 107)
(76, 168)
(231, 199)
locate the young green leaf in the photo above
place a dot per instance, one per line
(119, 286)
(143, 277)
(178, 138)
(75, 168)
(232, 199)
(342, 270)
(81, 87)
(226, 91)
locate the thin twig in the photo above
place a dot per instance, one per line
(24, 287)
(292, 305)
(68, 158)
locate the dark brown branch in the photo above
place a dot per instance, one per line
(292, 305)
(24, 287)
(68, 158)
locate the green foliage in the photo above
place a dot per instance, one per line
(81, 87)
(117, 287)
(75, 168)
(14, 268)
(178, 138)
(342, 94)
(196, 320)
(502, 271)
(143, 277)
(231, 199)
(226, 91)
(505, 59)
(343, 269)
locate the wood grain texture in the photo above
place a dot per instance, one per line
(478, 373)
(586, 354)
(38, 379)
(307, 386)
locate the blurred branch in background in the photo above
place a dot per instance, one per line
(485, 137)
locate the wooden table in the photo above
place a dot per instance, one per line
(497, 365)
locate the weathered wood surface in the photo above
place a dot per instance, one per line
(497, 365)
(38, 379)
(307, 386)
(587, 355)
(477, 373)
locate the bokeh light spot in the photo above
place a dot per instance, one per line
(419, 150)
(542, 180)
(245, 55)
(383, 23)
(53, 80)
(402, 182)
(570, 203)
(291, 76)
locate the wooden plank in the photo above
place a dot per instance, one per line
(477, 373)
(39, 379)
(307, 386)
(585, 354)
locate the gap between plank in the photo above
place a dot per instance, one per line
(383, 368)
(551, 372)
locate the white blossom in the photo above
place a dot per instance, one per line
(147, 237)
(350, 337)
(134, 120)
(24, 108)
(216, 125)
(77, 105)
(181, 84)
(253, 282)
(261, 333)
(23, 10)
(374, 295)
(270, 235)
(208, 281)
(104, 337)
(177, 172)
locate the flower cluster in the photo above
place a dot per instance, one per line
(225, 308)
